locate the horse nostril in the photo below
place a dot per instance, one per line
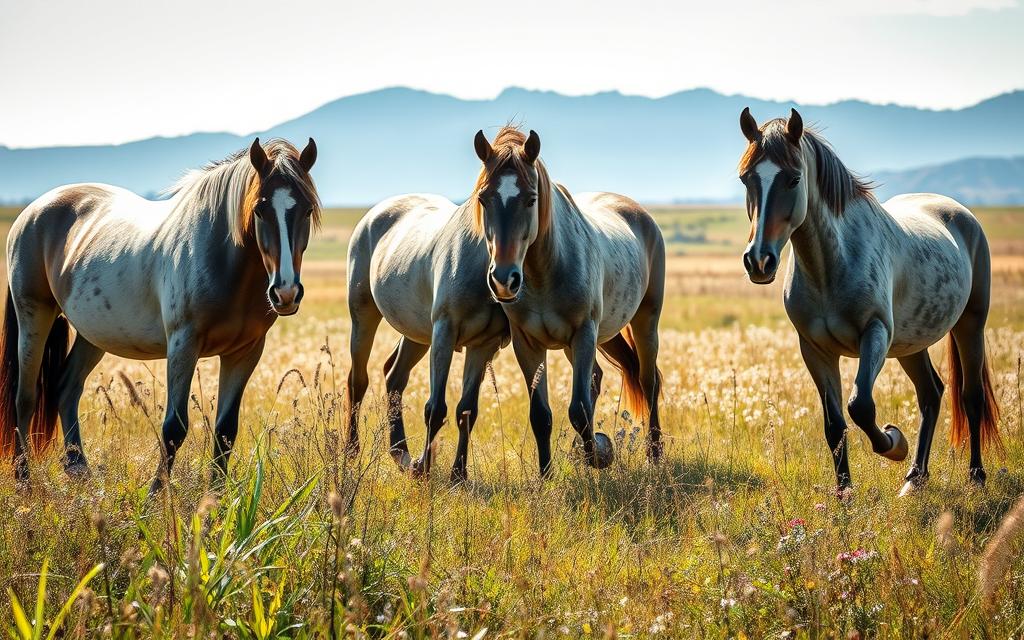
(515, 281)
(748, 262)
(274, 298)
(769, 263)
(302, 292)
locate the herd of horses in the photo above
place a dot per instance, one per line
(206, 272)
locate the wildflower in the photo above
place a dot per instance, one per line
(819, 507)
(856, 556)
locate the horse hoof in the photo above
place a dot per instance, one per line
(402, 459)
(898, 450)
(419, 469)
(78, 471)
(977, 477)
(604, 451)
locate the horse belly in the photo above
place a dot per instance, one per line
(405, 299)
(625, 284)
(101, 307)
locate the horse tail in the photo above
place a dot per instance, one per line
(627, 361)
(960, 427)
(43, 426)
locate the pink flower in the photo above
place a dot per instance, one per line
(796, 522)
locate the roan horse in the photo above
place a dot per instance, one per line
(412, 261)
(872, 281)
(182, 278)
(581, 276)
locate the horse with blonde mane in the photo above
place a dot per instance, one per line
(872, 281)
(183, 278)
(582, 275)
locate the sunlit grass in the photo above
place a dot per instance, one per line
(737, 533)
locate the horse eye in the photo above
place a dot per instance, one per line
(795, 180)
(531, 202)
(260, 209)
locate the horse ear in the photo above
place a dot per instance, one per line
(794, 127)
(532, 147)
(482, 146)
(749, 126)
(308, 156)
(258, 157)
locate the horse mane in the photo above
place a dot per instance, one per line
(837, 185)
(508, 151)
(231, 187)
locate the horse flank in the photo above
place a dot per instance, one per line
(231, 185)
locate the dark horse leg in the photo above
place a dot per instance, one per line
(235, 370)
(824, 370)
(466, 411)
(442, 346)
(82, 359)
(182, 357)
(406, 355)
(533, 363)
(976, 397)
(365, 319)
(928, 387)
(581, 407)
(645, 335)
(874, 344)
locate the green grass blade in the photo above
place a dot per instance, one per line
(37, 623)
(24, 628)
(66, 609)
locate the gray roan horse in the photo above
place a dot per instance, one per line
(580, 276)
(413, 260)
(872, 281)
(182, 278)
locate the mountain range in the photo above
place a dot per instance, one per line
(678, 148)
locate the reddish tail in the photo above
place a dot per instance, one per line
(960, 428)
(43, 427)
(633, 396)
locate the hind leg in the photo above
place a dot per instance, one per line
(365, 319)
(406, 355)
(645, 336)
(34, 323)
(969, 334)
(928, 387)
(82, 359)
(466, 411)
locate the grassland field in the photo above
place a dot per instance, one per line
(736, 534)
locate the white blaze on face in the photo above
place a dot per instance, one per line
(507, 188)
(282, 201)
(766, 172)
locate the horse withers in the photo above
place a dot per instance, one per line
(872, 281)
(181, 279)
(583, 276)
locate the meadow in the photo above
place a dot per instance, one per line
(736, 534)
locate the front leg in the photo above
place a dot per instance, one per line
(874, 345)
(442, 344)
(235, 370)
(532, 361)
(597, 449)
(465, 413)
(824, 370)
(182, 356)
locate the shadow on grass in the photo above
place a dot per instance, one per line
(631, 491)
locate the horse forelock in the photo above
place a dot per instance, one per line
(834, 185)
(231, 186)
(508, 154)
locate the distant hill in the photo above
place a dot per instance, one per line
(989, 181)
(680, 147)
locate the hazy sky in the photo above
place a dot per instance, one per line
(97, 72)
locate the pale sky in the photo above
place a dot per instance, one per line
(99, 72)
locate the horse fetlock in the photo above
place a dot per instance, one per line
(977, 476)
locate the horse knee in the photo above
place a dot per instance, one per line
(434, 414)
(174, 433)
(466, 412)
(862, 409)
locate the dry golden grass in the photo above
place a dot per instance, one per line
(736, 534)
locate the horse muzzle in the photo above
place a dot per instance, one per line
(505, 283)
(285, 299)
(761, 267)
